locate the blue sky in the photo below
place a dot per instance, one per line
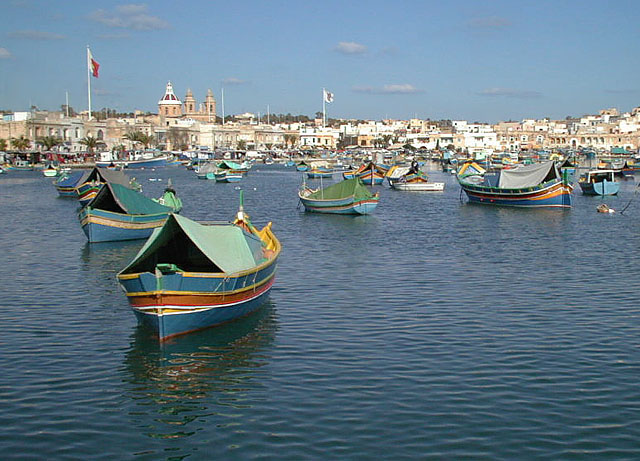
(475, 60)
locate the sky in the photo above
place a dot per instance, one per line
(472, 60)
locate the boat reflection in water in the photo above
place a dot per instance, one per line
(189, 382)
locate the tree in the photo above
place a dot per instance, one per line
(3, 144)
(90, 142)
(242, 144)
(133, 137)
(20, 143)
(387, 139)
(146, 140)
(49, 142)
(179, 138)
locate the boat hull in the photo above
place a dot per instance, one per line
(600, 188)
(106, 226)
(143, 163)
(190, 301)
(343, 206)
(87, 192)
(553, 194)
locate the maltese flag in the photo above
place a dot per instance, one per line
(328, 97)
(93, 64)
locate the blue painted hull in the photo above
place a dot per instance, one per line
(106, 226)
(343, 206)
(168, 325)
(600, 188)
(150, 163)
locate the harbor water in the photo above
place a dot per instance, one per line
(431, 329)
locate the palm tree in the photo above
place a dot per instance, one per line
(146, 139)
(20, 143)
(134, 137)
(49, 142)
(90, 142)
(242, 144)
(3, 144)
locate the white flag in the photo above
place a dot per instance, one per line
(328, 97)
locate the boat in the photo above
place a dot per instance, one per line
(93, 180)
(411, 179)
(242, 168)
(22, 165)
(170, 198)
(348, 196)
(206, 170)
(320, 172)
(302, 166)
(470, 168)
(138, 160)
(370, 173)
(119, 213)
(189, 276)
(569, 168)
(228, 176)
(599, 182)
(538, 185)
(67, 184)
(50, 171)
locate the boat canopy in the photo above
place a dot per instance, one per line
(470, 168)
(398, 171)
(195, 247)
(120, 199)
(347, 188)
(71, 180)
(227, 165)
(208, 167)
(365, 167)
(528, 175)
(105, 175)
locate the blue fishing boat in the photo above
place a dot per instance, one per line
(228, 176)
(599, 182)
(144, 160)
(349, 196)
(303, 166)
(320, 172)
(119, 213)
(189, 276)
(539, 185)
(67, 184)
(206, 170)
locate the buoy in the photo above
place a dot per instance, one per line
(604, 208)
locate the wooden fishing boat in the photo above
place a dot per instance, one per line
(599, 182)
(407, 179)
(50, 171)
(67, 184)
(93, 180)
(320, 172)
(370, 173)
(206, 170)
(349, 196)
(302, 166)
(228, 176)
(119, 213)
(189, 276)
(140, 160)
(539, 185)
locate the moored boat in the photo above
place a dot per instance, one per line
(228, 176)
(538, 185)
(119, 213)
(320, 172)
(411, 179)
(349, 196)
(67, 184)
(189, 276)
(370, 173)
(90, 184)
(170, 198)
(599, 182)
(145, 160)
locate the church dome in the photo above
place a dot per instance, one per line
(169, 97)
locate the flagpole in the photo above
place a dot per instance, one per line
(89, 80)
(222, 91)
(324, 116)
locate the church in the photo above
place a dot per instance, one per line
(170, 106)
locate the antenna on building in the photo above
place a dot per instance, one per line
(67, 103)
(268, 116)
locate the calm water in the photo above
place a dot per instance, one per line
(430, 329)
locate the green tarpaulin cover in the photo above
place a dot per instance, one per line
(343, 189)
(228, 247)
(130, 201)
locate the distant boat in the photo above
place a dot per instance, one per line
(50, 171)
(539, 185)
(370, 173)
(145, 160)
(189, 276)
(206, 170)
(228, 176)
(349, 196)
(302, 166)
(320, 172)
(67, 184)
(119, 213)
(406, 179)
(599, 182)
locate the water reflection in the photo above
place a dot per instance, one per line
(114, 255)
(177, 386)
